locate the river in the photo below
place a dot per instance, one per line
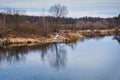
(96, 58)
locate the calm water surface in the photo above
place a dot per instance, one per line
(87, 59)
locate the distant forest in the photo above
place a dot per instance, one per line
(15, 23)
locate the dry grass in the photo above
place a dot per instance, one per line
(63, 37)
(73, 36)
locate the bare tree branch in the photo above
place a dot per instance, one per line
(58, 10)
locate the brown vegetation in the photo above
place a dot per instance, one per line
(17, 28)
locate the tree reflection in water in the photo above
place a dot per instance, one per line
(117, 37)
(12, 55)
(55, 52)
(57, 57)
(17, 54)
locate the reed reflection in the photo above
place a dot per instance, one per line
(56, 53)
(18, 54)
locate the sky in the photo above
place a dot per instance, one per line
(76, 8)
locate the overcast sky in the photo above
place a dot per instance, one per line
(76, 8)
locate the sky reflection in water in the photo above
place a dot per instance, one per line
(87, 59)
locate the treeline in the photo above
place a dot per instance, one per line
(117, 20)
(95, 23)
(14, 23)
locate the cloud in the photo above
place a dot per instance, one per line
(90, 14)
(77, 8)
(38, 13)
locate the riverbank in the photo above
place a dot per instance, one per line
(62, 36)
(66, 37)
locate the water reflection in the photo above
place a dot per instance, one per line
(17, 54)
(12, 55)
(56, 53)
(97, 37)
(90, 60)
(58, 56)
(117, 37)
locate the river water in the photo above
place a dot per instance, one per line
(96, 58)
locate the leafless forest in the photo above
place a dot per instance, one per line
(15, 23)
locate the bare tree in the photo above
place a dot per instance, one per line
(13, 11)
(44, 25)
(58, 11)
(43, 18)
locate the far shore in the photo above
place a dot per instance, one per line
(63, 36)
